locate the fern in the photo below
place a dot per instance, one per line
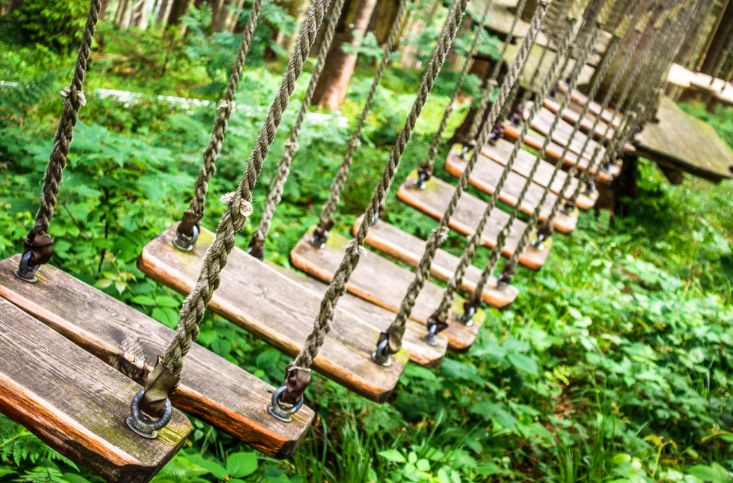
(16, 102)
(43, 474)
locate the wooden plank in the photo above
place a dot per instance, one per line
(76, 403)
(554, 152)
(436, 196)
(563, 133)
(526, 76)
(607, 115)
(211, 388)
(587, 124)
(380, 318)
(409, 249)
(687, 143)
(279, 311)
(383, 283)
(486, 177)
(498, 154)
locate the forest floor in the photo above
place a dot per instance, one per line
(615, 362)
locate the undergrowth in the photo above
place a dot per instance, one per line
(615, 362)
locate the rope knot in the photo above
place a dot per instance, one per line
(355, 142)
(75, 96)
(443, 234)
(226, 105)
(359, 249)
(245, 207)
(291, 145)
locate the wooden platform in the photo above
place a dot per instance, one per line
(682, 142)
(486, 177)
(525, 77)
(600, 131)
(420, 351)
(498, 155)
(436, 196)
(211, 388)
(279, 311)
(554, 152)
(409, 249)
(381, 282)
(76, 403)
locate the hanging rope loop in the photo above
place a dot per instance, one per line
(38, 245)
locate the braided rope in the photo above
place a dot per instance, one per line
(396, 330)
(475, 239)
(37, 241)
(351, 258)
(491, 81)
(225, 109)
(339, 181)
(428, 165)
(291, 145)
(166, 374)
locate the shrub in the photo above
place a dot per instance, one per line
(55, 23)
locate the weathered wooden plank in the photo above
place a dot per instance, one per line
(381, 282)
(682, 141)
(380, 318)
(587, 124)
(211, 388)
(554, 152)
(486, 177)
(408, 249)
(498, 154)
(278, 310)
(607, 115)
(434, 199)
(563, 133)
(76, 403)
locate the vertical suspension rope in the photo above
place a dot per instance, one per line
(257, 242)
(391, 340)
(325, 219)
(188, 230)
(426, 168)
(38, 244)
(166, 374)
(298, 373)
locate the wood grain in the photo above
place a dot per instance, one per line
(381, 282)
(587, 124)
(554, 152)
(607, 115)
(380, 318)
(486, 177)
(499, 153)
(76, 403)
(563, 133)
(684, 142)
(408, 249)
(279, 311)
(211, 388)
(436, 196)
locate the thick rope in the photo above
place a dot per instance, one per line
(348, 264)
(38, 243)
(491, 81)
(427, 167)
(164, 378)
(396, 330)
(197, 207)
(256, 246)
(475, 240)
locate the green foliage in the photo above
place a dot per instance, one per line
(613, 365)
(58, 24)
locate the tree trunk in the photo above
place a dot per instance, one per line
(334, 82)
(164, 11)
(178, 9)
(481, 68)
(383, 19)
(103, 10)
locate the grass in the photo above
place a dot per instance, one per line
(614, 364)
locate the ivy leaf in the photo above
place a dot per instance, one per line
(241, 464)
(523, 363)
(393, 455)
